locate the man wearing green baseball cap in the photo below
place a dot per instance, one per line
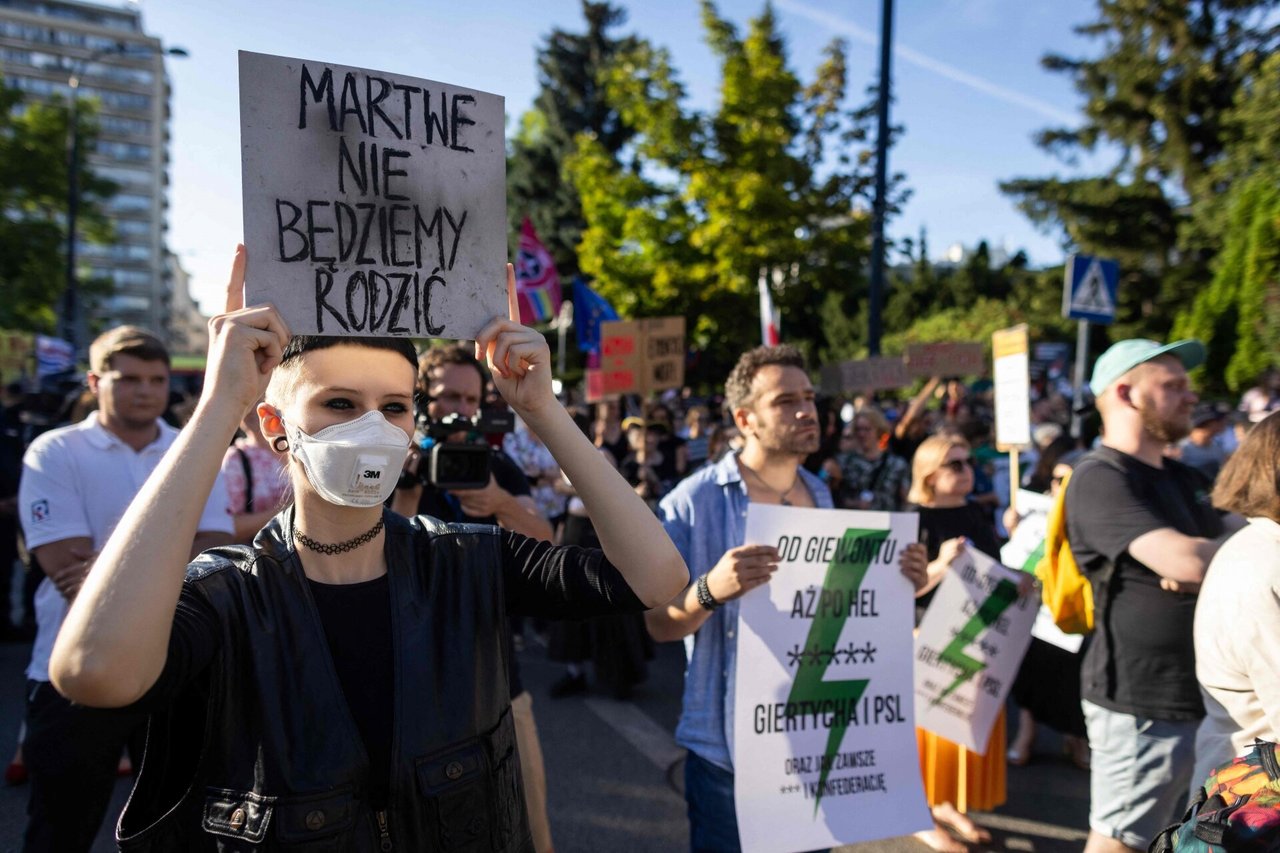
(1141, 527)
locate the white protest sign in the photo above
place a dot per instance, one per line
(374, 204)
(1012, 380)
(968, 649)
(1024, 550)
(1028, 536)
(824, 747)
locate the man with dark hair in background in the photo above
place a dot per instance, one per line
(771, 400)
(77, 482)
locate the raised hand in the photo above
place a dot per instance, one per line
(245, 344)
(518, 357)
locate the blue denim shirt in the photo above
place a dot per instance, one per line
(705, 516)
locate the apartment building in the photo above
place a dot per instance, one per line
(43, 44)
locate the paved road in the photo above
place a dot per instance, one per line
(615, 773)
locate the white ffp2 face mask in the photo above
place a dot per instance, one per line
(353, 464)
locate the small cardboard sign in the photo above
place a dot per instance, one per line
(663, 353)
(17, 351)
(638, 356)
(867, 374)
(945, 359)
(374, 203)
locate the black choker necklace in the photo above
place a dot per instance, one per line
(337, 547)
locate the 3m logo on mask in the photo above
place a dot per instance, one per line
(367, 477)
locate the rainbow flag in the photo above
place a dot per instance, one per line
(537, 284)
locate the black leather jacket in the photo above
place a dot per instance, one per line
(263, 753)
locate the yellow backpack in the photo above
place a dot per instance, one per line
(1066, 592)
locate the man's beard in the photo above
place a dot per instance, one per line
(1168, 430)
(794, 444)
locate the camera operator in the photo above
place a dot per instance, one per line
(452, 382)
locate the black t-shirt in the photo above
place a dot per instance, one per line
(938, 524)
(357, 627)
(1142, 658)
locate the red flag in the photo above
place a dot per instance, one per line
(537, 284)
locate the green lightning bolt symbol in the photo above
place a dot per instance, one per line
(844, 575)
(1005, 593)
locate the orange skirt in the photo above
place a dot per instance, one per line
(967, 780)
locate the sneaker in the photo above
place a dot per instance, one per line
(569, 685)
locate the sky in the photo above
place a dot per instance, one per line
(968, 84)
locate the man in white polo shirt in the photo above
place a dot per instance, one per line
(77, 482)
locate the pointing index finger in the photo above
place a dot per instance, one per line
(235, 284)
(513, 304)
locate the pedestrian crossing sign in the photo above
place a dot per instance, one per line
(1089, 289)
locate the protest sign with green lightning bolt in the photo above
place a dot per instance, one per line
(844, 573)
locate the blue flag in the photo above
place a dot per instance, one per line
(589, 310)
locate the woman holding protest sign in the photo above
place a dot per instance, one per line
(956, 780)
(341, 682)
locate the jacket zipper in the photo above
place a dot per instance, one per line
(384, 835)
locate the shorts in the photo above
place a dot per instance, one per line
(1140, 770)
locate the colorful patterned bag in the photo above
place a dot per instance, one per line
(1238, 809)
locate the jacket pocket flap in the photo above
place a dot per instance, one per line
(312, 816)
(237, 814)
(452, 769)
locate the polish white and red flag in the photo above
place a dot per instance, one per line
(537, 284)
(769, 317)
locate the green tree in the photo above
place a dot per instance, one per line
(570, 101)
(33, 204)
(1238, 314)
(766, 184)
(1157, 96)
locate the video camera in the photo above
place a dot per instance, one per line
(458, 464)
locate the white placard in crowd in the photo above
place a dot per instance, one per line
(1023, 550)
(968, 649)
(824, 747)
(1012, 380)
(374, 203)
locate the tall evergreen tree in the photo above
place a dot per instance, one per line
(1157, 96)
(1238, 314)
(570, 101)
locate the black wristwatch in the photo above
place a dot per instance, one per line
(705, 598)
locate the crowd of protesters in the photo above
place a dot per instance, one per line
(1162, 682)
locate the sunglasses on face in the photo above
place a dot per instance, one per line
(955, 466)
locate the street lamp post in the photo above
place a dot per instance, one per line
(879, 207)
(70, 325)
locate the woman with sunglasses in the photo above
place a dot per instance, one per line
(956, 780)
(341, 683)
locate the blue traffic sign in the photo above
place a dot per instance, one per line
(1089, 289)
